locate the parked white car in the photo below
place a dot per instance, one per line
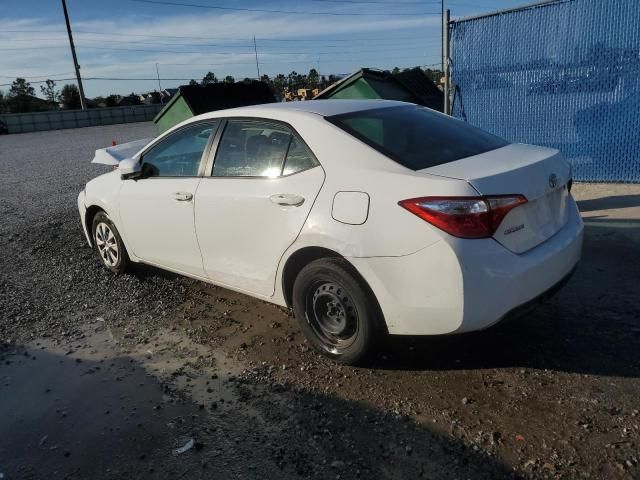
(366, 217)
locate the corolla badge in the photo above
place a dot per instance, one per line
(553, 180)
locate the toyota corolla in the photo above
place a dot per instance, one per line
(367, 218)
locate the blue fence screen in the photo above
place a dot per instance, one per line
(564, 74)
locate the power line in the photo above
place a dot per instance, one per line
(372, 2)
(36, 76)
(275, 39)
(293, 12)
(33, 31)
(116, 49)
(490, 7)
(264, 39)
(276, 62)
(222, 45)
(41, 81)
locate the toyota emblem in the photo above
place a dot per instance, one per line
(553, 180)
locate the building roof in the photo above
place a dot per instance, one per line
(219, 96)
(411, 85)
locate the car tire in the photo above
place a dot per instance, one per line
(108, 244)
(336, 310)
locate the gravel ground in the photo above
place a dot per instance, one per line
(104, 376)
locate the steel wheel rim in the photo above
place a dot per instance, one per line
(332, 315)
(107, 245)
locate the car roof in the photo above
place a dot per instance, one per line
(325, 108)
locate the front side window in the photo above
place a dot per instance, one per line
(417, 137)
(179, 154)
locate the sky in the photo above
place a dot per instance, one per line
(119, 42)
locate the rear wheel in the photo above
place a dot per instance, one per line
(336, 310)
(109, 244)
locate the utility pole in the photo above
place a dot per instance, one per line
(447, 83)
(442, 36)
(73, 54)
(255, 49)
(159, 86)
(158, 75)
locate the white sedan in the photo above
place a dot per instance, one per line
(366, 217)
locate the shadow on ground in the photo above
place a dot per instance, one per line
(68, 417)
(609, 203)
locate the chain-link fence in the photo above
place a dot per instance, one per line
(564, 74)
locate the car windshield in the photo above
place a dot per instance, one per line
(415, 136)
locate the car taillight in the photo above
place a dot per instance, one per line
(465, 217)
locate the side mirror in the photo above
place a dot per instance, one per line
(129, 168)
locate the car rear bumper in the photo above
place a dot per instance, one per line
(459, 285)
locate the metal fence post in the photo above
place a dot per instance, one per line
(447, 73)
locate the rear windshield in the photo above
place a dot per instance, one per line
(415, 136)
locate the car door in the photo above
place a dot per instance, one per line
(156, 210)
(253, 204)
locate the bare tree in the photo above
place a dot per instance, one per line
(49, 91)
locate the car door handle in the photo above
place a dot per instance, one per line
(287, 199)
(183, 196)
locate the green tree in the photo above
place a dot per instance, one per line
(279, 83)
(209, 79)
(395, 70)
(193, 82)
(313, 79)
(70, 97)
(131, 99)
(229, 79)
(21, 87)
(293, 81)
(49, 91)
(434, 75)
(112, 100)
(156, 97)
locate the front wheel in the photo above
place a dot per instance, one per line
(336, 310)
(109, 244)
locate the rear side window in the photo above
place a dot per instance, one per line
(299, 157)
(257, 148)
(251, 148)
(417, 137)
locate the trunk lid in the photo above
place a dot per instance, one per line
(115, 154)
(540, 174)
